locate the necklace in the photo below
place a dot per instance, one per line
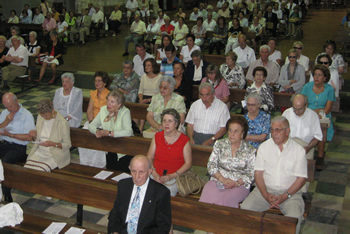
(172, 139)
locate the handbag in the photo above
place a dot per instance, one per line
(189, 183)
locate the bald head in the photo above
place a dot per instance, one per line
(299, 103)
(9, 100)
(140, 168)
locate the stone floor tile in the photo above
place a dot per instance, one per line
(330, 188)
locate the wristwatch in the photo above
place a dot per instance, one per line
(110, 133)
(288, 195)
(213, 138)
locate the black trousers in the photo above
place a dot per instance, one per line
(118, 165)
(97, 29)
(11, 153)
(114, 25)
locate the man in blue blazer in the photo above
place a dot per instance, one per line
(155, 207)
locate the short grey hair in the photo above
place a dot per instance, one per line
(128, 62)
(33, 33)
(17, 29)
(265, 47)
(206, 85)
(280, 119)
(15, 37)
(306, 99)
(54, 33)
(256, 96)
(118, 96)
(170, 80)
(68, 75)
(166, 18)
(197, 53)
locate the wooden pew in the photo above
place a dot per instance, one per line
(139, 145)
(185, 212)
(237, 95)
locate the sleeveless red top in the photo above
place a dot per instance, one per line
(169, 157)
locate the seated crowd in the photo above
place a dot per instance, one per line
(246, 149)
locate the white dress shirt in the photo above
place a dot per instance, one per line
(306, 127)
(21, 52)
(245, 56)
(208, 120)
(209, 26)
(138, 63)
(281, 169)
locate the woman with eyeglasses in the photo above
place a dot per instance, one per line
(259, 86)
(166, 98)
(330, 48)
(258, 121)
(301, 59)
(320, 98)
(292, 75)
(326, 60)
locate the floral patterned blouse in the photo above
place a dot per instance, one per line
(241, 166)
(266, 94)
(130, 84)
(259, 125)
(157, 105)
(337, 60)
(198, 32)
(236, 75)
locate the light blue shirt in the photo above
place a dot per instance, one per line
(22, 123)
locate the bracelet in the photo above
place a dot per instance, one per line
(56, 145)
(177, 174)
(110, 133)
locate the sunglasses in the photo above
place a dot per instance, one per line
(292, 57)
(324, 63)
(298, 48)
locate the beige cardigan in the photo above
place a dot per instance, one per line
(60, 133)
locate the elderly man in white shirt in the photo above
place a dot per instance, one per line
(18, 57)
(97, 22)
(92, 10)
(246, 55)
(38, 17)
(209, 24)
(131, 6)
(273, 70)
(139, 58)
(138, 29)
(280, 173)
(304, 123)
(195, 14)
(207, 117)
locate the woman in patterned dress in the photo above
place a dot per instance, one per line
(231, 166)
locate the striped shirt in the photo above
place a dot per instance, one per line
(208, 120)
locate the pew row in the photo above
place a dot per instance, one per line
(139, 145)
(185, 212)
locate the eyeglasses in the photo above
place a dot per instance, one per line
(324, 63)
(163, 87)
(298, 48)
(277, 130)
(292, 57)
(251, 105)
(298, 110)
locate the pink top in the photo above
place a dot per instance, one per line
(48, 25)
(221, 89)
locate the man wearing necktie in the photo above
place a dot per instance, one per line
(142, 205)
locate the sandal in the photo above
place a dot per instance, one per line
(37, 81)
(51, 81)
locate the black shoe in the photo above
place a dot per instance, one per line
(319, 163)
(125, 54)
(5, 88)
(135, 128)
(8, 198)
